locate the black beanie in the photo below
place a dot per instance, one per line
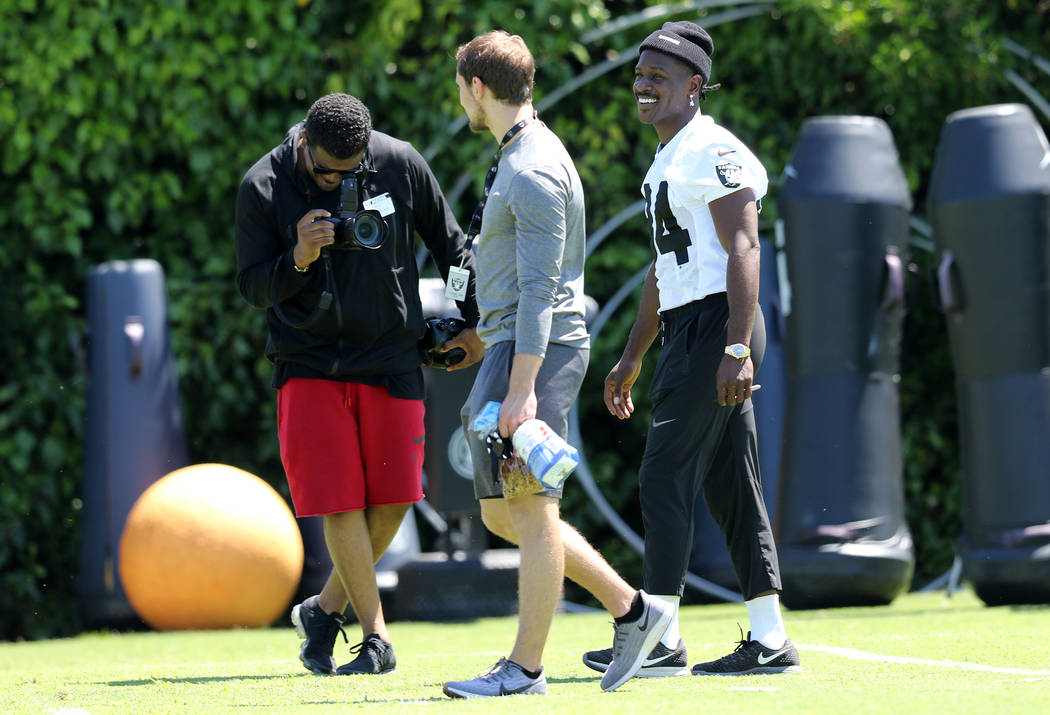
(685, 41)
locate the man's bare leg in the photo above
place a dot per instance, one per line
(540, 574)
(583, 564)
(356, 540)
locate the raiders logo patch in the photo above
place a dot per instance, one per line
(729, 174)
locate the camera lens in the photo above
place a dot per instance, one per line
(369, 229)
(453, 356)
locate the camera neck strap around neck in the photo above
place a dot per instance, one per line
(490, 177)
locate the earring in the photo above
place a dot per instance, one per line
(691, 102)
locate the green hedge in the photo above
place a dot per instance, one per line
(125, 129)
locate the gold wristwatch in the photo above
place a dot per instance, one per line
(738, 350)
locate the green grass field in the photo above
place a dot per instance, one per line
(924, 653)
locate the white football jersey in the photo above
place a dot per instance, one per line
(702, 162)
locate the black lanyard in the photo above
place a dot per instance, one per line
(490, 177)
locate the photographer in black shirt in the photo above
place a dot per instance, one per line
(325, 229)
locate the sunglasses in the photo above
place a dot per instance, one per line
(318, 169)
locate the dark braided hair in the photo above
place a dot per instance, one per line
(340, 124)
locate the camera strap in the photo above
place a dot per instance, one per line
(490, 177)
(351, 187)
(322, 304)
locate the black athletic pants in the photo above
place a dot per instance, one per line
(694, 443)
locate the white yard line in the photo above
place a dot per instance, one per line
(861, 655)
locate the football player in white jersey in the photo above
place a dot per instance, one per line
(702, 197)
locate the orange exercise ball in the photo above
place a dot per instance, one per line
(210, 546)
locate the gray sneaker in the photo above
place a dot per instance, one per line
(318, 631)
(632, 642)
(662, 662)
(503, 678)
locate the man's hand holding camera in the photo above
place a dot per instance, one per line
(449, 345)
(470, 343)
(313, 236)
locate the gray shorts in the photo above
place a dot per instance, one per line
(557, 385)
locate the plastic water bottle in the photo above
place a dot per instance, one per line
(487, 420)
(549, 457)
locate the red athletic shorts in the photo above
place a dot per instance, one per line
(346, 446)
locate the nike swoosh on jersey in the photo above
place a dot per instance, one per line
(726, 152)
(763, 658)
(662, 422)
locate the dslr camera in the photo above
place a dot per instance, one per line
(439, 330)
(355, 228)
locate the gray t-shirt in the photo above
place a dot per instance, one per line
(531, 248)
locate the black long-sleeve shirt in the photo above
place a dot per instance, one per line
(370, 332)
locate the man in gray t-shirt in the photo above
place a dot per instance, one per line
(530, 253)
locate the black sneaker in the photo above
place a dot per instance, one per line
(662, 662)
(375, 657)
(752, 658)
(318, 629)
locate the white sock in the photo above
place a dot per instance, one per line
(671, 637)
(767, 626)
